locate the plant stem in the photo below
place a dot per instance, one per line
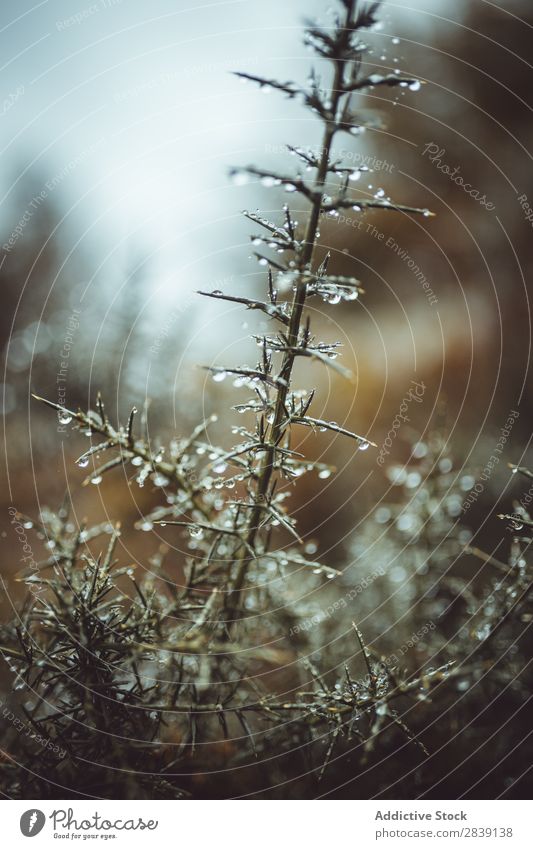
(298, 303)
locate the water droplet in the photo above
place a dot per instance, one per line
(65, 417)
(415, 85)
(364, 446)
(96, 480)
(467, 482)
(397, 475)
(483, 632)
(413, 479)
(219, 376)
(195, 532)
(136, 461)
(355, 175)
(83, 462)
(324, 474)
(420, 449)
(395, 40)
(383, 515)
(240, 178)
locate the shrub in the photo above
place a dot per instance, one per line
(210, 684)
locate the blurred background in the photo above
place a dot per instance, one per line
(120, 121)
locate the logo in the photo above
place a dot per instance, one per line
(32, 822)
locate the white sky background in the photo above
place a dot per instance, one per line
(138, 96)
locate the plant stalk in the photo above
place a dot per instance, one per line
(298, 303)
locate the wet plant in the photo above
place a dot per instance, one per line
(147, 683)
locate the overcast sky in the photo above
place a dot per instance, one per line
(128, 109)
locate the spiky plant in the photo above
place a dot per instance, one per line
(197, 669)
(240, 531)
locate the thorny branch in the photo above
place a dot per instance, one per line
(125, 669)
